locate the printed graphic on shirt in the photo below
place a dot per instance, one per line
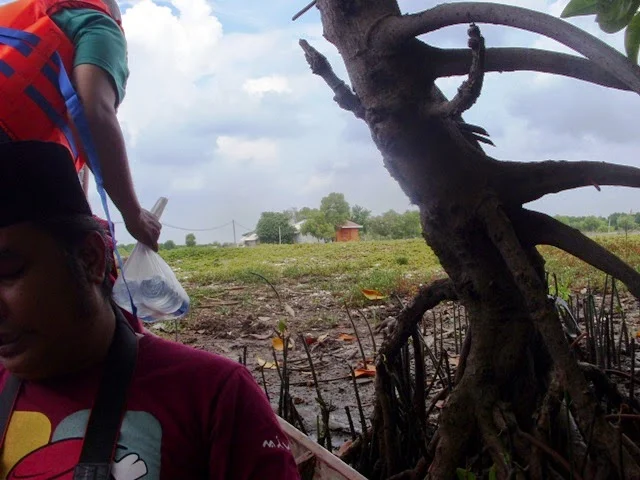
(33, 452)
(17, 444)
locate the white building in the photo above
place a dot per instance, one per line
(300, 238)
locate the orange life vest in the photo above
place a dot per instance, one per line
(37, 98)
(34, 103)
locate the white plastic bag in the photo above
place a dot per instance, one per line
(155, 290)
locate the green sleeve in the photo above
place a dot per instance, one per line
(99, 41)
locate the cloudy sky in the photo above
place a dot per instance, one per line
(223, 116)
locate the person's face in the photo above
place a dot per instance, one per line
(43, 308)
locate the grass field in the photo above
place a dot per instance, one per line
(343, 268)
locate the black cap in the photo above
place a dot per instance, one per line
(38, 180)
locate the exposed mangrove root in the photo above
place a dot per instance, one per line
(427, 298)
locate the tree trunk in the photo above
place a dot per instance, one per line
(518, 361)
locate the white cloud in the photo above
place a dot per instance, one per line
(188, 183)
(318, 183)
(270, 84)
(167, 55)
(224, 117)
(260, 152)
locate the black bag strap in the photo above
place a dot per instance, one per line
(8, 399)
(103, 428)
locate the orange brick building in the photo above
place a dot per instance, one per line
(349, 232)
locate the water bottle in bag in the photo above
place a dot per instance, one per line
(154, 288)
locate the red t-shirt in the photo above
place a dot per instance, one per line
(190, 415)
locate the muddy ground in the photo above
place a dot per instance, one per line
(230, 318)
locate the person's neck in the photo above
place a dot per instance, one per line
(101, 335)
(95, 341)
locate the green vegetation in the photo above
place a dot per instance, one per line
(394, 266)
(392, 225)
(612, 16)
(616, 222)
(190, 240)
(317, 225)
(360, 215)
(275, 227)
(574, 274)
(322, 223)
(338, 267)
(334, 211)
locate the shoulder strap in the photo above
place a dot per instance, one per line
(108, 7)
(8, 399)
(101, 437)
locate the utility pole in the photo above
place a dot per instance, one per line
(234, 233)
(279, 235)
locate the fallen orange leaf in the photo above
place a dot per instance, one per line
(369, 363)
(368, 371)
(278, 344)
(345, 337)
(373, 294)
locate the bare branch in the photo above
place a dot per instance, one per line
(540, 229)
(428, 297)
(470, 89)
(394, 30)
(303, 11)
(522, 182)
(457, 61)
(320, 66)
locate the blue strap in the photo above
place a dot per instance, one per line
(30, 38)
(54, 116)
(76, 111)
(6, 69)
(19, 40)
(13, 42)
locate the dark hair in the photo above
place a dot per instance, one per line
(70, 232)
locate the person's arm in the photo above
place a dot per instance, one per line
(98, 98)
(247, 442)
(99, 76)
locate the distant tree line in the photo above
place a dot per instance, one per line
(189, 242)
(616, 222)
(334, 210)
(322, 223)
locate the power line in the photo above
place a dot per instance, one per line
(246, 228)
(197, 229)
(194, 229)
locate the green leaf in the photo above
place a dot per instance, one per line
(576, 8)
(282, 326)
(463, 474)
(632, 39)
(614, 15)
(493, 472)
